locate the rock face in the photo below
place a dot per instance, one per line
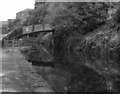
(99, 53)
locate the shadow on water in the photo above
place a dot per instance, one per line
(53, 76)
(41, 63)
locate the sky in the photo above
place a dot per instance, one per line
(9, 8)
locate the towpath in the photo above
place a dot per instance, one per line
(13, 77)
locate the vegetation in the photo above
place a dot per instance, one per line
(4, 29)
(14, 24)
(37, 15)
(85, 33)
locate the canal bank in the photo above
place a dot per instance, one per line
(22, 77)
(57, 78)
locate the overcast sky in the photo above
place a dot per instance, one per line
(9, 8)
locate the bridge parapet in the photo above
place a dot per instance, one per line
(36, 28)
(10, 43)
